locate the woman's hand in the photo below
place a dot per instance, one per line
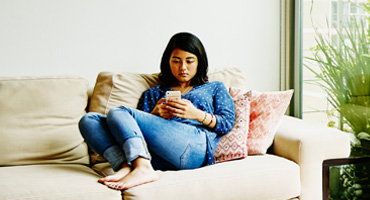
(161, 110)
(183, 108)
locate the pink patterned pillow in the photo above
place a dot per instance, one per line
(267, 109)
(234, 144)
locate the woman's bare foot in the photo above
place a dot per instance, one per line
(143, 172)
(126, 169)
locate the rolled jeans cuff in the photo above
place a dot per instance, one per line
(115, 157)
(135, 147)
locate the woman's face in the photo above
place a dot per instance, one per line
(183, 65)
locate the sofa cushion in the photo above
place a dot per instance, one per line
(230, 77)
(38, 120)
(56, 181)
(233, 145)
(255, 177)
(116, 89)
(267, 109)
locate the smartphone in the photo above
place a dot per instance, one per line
(173, 95)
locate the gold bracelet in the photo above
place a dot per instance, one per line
(205, 117)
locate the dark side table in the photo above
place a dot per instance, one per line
(360, 161)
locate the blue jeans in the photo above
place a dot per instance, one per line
(126, 134)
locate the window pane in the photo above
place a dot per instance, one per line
(354, 8)
(334, 7)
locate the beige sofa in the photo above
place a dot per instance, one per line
(43, 155)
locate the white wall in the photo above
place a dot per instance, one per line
(84, 37)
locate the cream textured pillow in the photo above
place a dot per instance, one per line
(39, 120)
(230, 77)
(116, 89)
(233, 145)
(267, 109)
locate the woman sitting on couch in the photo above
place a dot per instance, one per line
(159, 134)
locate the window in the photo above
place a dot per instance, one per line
(325, 17)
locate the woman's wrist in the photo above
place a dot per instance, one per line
(204, 118)
(207, 119)
(209, 124)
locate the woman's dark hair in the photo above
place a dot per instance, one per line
(190, 43)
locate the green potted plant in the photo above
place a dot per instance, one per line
(344, 74)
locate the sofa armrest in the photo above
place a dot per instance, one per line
(309, 145)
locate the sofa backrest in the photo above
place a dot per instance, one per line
(39, 120)
(115, 89)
